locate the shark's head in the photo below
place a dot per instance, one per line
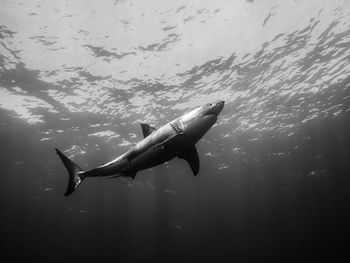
(197, 122)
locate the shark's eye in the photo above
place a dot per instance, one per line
(210, 104)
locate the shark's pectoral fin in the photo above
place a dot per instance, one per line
(147, 129)
(191, 156)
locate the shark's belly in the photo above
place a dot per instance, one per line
(167, 143)
(152, 157)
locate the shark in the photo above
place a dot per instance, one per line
(177, 138)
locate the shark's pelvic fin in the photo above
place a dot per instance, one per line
(131, 174)
(191, 156)
(75, 173)
(147, 129)
(114, 176)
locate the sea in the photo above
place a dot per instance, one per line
(80, 76)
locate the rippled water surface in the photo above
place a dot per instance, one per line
(82, 75)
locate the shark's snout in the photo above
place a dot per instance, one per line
(219, 106)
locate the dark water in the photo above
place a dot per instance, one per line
(274, 182)
(286, 198)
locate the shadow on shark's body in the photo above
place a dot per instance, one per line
(175, 139)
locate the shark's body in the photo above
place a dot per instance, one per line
(175, 139)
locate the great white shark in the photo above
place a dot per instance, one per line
(177, 138)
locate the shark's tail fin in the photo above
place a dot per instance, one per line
(75, 177)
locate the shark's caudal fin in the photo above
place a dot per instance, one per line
(73, 169)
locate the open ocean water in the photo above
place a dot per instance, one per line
(274, 182)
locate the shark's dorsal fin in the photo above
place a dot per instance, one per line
(147, 129)
(191, 156)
